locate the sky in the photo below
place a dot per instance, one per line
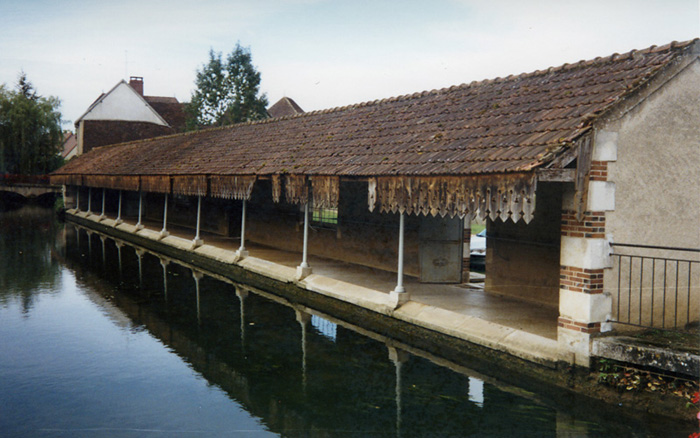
(321, 53)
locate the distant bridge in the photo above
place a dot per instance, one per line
(28, 186)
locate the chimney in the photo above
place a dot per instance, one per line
(136, 83)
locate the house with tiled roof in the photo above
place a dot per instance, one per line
(584, 174)
(125, 114)
(70, 145)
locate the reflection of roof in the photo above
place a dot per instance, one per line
(505, 125)
(284, 107)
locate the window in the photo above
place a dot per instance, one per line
(324, 217)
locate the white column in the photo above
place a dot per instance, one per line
(399, 295)
(104, 193)
(304, 270)
(119, 211)
(242, 252)
(89, 212)
(139, 225)
(63, 194)
(197, 241)
(164, 231)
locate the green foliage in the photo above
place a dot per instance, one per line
(227, 91)
(30, 130)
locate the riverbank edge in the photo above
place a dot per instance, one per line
(579, 385)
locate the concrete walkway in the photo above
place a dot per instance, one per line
(520, 328)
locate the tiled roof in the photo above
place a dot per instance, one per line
(284, 107)
(170, 109)
(503, 125)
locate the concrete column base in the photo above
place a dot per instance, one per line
(303, 272)
(118, 222)
(138, 227)
(196, 243)
(101, 218)
(240, 254)
(164, 234)
(574, 347)
(398, 298)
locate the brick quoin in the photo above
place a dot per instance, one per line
(592, 226)
(599, 171)
(583, 327)
(588, 281)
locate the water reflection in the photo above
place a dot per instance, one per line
(307, 374)
(283, 368)
(27, 248)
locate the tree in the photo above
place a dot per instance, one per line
(30, 130)
(227, 91)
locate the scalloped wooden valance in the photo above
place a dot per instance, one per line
(509, 196)
(237, 187)
(190, 185)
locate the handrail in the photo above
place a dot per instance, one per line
(669, 248)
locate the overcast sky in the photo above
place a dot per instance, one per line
(321, 53)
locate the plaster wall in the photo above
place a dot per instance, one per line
(124, 103)
(655, 169)
(522, 260)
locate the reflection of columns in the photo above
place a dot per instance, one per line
(77, 238)
(119, 211)
(197, 276)
(398, 357)
(568, 426)
(164, 231)
(399, 295)
(104, 254)
(304, 270)
(139, 254)
(197, 241)
(89, 236)
(119, 256)
(89, 200)
(104, 196)
(242, 294)
(164, 263)
(77, 198)
(63, 194)
(242, 252)
(303, 319)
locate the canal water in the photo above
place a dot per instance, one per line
(100, 339)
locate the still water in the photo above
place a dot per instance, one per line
(98, 339)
